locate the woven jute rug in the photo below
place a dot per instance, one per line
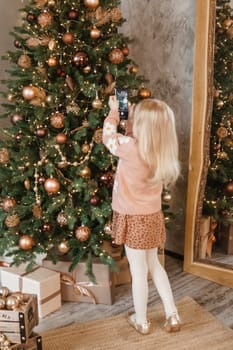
(200, 331)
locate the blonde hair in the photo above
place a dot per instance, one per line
(155, 131)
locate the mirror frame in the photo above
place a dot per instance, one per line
(199, 143)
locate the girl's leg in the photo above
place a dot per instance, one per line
(139, 270)
(160, 279)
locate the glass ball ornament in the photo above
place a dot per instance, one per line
(95, 33)
(91, 4)
(2, 305)
(4, 291)
(144, 92)
(52, 185)
(12, 302)
(57, 120)
(61, 138)
(97, 103)
(166, 196)
(26, 242)
(85, 172)
(52, 61)
(8, 204)
(81, 59)
(116, 56)
(63, 247)
(82, 233)
(29, 92)
(41, 132)
(68, 38)
(73, 14)
(16, 117)
(228, 188)
(94, 200)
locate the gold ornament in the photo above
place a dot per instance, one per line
(62, 219)
(44, 19)
(51, 3)
(85, 148)
(166, 197)
(144, 92)
(2, 306)
(108, 228)
(29, 92)
(52, 61)
(95, 33)
(12, 303)
(85, 173)
(12, 221)
(52, 185)
(91, 4)
(24, 61)
(219, 103)
(116, 56)
(87, 69)
(15, 118)
(68, 38)
(57, 120)
(97, 104)
(18, 295)
(98, 136)
(227, 23)
(61, 138)
(8, 204)
(4, 291)
(82, 233)
(133, 69)
(116, 14)
(63, 247)
(26, 242)
(4, 156)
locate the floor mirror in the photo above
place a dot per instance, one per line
(208, 268)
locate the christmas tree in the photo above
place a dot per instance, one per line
(218, 201)
(56, 176)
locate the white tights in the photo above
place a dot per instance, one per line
(142, 261)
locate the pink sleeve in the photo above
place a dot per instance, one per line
(118, 144)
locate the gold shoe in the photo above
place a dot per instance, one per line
(140, 328)
(172, 323)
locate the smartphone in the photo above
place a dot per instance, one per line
(122, 97)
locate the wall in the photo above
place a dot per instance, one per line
(163, 33)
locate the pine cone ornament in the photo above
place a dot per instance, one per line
(12, 221)
(4, 156)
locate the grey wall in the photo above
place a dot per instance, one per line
(163, 33)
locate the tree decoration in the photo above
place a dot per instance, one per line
(144, 92)
(116, 56)
(8, 204)
(96, 103)
(4, 156)
(63, 247)
(52, 62)
(15, 118)
(61, 138)
(73, 14)
(29, 92)
(91, 4)
(82, 233)
(44, 19)
(52, 185)
(12, 220)
(62, 219)
(95, 33)
(24, 61)
(57, 120)
(81, 59)
(68, 38)
(98, 135)
(85, 172)
(26, 242)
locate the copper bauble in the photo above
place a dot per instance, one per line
(18, 137)
(91, 4)
(26, 242)
(97, 103)
(94, 200)
(85, 173)
(47, 227)
(228, 188)
(30, 17)
(4, 156)
(116, 56)
(61, 138)
(8, 204)
(17, 44)
(82, 233)
(18, 295)
(63, 247)
(11, 303)
(4, 291)
(81, 58)
(125, 50)
(57, 120)
(15, 118)
(52, 61)
(29, 92)
(68, 38)
(144, 92)
(41, 132)
(73, 14)
(52, 185)
(44, 19)
(95, 33)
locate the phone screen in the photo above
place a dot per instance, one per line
(122, 97)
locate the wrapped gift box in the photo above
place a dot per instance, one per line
(17, 325)
(76, 286)
(122, 276)
(43, 282)
(33, 343)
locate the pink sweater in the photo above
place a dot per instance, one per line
(132, 194)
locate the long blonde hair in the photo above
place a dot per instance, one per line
(155, 131)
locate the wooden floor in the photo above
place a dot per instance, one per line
(215, 298)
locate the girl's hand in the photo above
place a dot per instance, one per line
(113, 103)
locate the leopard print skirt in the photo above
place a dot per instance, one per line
(139, 231)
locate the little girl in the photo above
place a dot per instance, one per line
(148, 161)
